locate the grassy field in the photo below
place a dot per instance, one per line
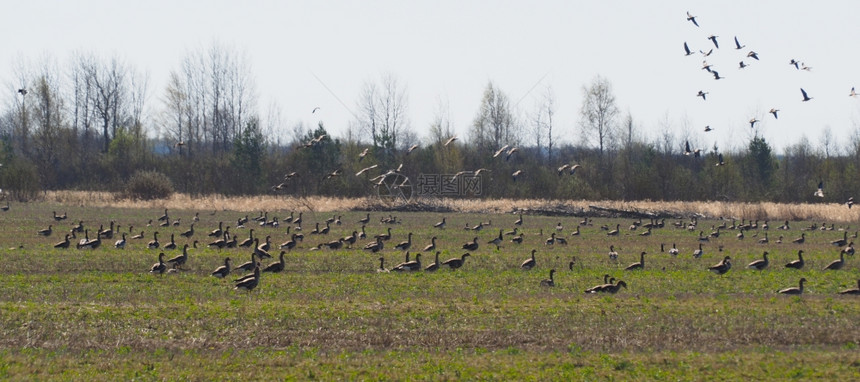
(99, 314)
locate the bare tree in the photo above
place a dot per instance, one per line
(827, 144)
(494, 126)
(441, 127)
(383, 108)
(542, 122)
(598, 113)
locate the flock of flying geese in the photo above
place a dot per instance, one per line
(221, 238)
(752, 54)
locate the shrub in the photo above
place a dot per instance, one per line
(148, 185)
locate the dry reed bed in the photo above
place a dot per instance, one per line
(827, 212)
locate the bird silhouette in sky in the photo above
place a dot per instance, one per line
(714, 40)
(774, 111)
(753, 55)
(692, 18)
(738, 45)
(687, 49)
(805, 96)
(702, 94)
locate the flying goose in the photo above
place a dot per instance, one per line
(738, 45)
(774, 111)
(714, 40)
(805, 96)
(793, 290)
(753, 54)
(692, 19)
(450, 140)
(702, 94)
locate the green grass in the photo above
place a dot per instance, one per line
(75, 314)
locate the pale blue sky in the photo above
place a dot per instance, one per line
(451, 49)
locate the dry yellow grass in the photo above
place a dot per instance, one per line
(829, 212)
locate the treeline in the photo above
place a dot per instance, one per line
(92, 126)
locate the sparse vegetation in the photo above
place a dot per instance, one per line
(148, 185)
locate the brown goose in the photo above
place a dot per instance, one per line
(171, 245)
(639, 265)
(497, 241)
(722, 267)
(440, 224)
(351, 239)
(674, 250)
(374, 247)
(384, 236)
(189, 233)
(455, 263)
(405, 244)
(217, 232)
(222, 271)
(473, 246)
(793, 290)
(615, 231)
(800, 240)
(431, 246)
(139, 236)
(180, 260)
(381, 268)
(260, 251)
(600, 287)
(46, 231)
(153, 244)
(160, 267)
(289, 244)
(849, 250)
(519, 221)
(796, 264)
(250, 240)
(759, 264)
(364, 220)
(277, 266)
(518, 239)
(530, 262)
(250, 283)
(614, 288)
(841, 242)
(699, 252)
(120, 244)
(550, 282)
(852, 291)
(836, 265)
(64, 244)
(410, 266)
(249, 266)
(435, 266)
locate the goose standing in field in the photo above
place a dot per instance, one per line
(455, 263)
(722, 267)
(277, 266)
(222, 271)
(614, 288)
(793, 290)
(171, 245)
(763, 240)
(120, 244)
(180, 260)
(519, 221)
(440, 224)
(405, 244)
(160, 267)
(381, 268)
(615, 231)
(674, 250)
(699, 252)
(800, 240)
(575, 231)
(796, 264)
(249, 266)
(518, 239)
(431, 246)
(138, 236)
(261, 252)
(836, 265)
(217, 232)
(639, 265)
(600, 287)
(189, 233)
(63, 244)
(852, 291)
(472, 246)
(250, 283)
(612, 254)
(384, 236)
(435, 266)
(759, 264)
(249, 241)
(530, 262)
(374, 247)
(409, 266)
(497, 241)
(550, 282)
(849, 250)
(46, 231)
(841, 242)
(60, 217)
